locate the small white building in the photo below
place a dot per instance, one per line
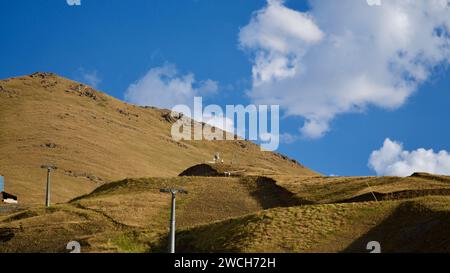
(7, 198)
(4, 196)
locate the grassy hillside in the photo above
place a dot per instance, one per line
(419, 225)
(106, 218)
(236, 214)
(269, 203)
(348, 189)
(94, 138)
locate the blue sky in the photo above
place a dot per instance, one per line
(114, 43)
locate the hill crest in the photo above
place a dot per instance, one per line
(94, 138)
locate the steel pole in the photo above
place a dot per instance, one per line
(47, 195)
(172, 225)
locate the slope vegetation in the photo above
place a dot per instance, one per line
(419, 225)
(357, 189)
(236, 214)
(93, 139)
(132, 214)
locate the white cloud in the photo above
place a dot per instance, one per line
(164, 87)
(279, 42)
(89, 77)
(391, 159)
(329, 61)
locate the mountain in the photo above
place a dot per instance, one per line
(113, 158)
(94, 138)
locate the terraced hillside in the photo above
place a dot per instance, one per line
(93, 139)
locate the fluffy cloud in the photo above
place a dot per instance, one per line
(391, 159)
(280, 42)
(165, 87)
(342, 56)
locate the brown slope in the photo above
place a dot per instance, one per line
(94, 138)
(417, 225)
(321, 189)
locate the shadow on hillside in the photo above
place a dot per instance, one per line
(269, 195)
(224, 236)
(399, 195)
(410, 228)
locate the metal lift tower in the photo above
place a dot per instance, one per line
(172, 216)
(47, 193)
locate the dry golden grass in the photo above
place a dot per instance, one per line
(209, 199)
(420, 225)
(132, 215)
(339, 189)
(94, 138)
(49, 230)
(222, 214)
